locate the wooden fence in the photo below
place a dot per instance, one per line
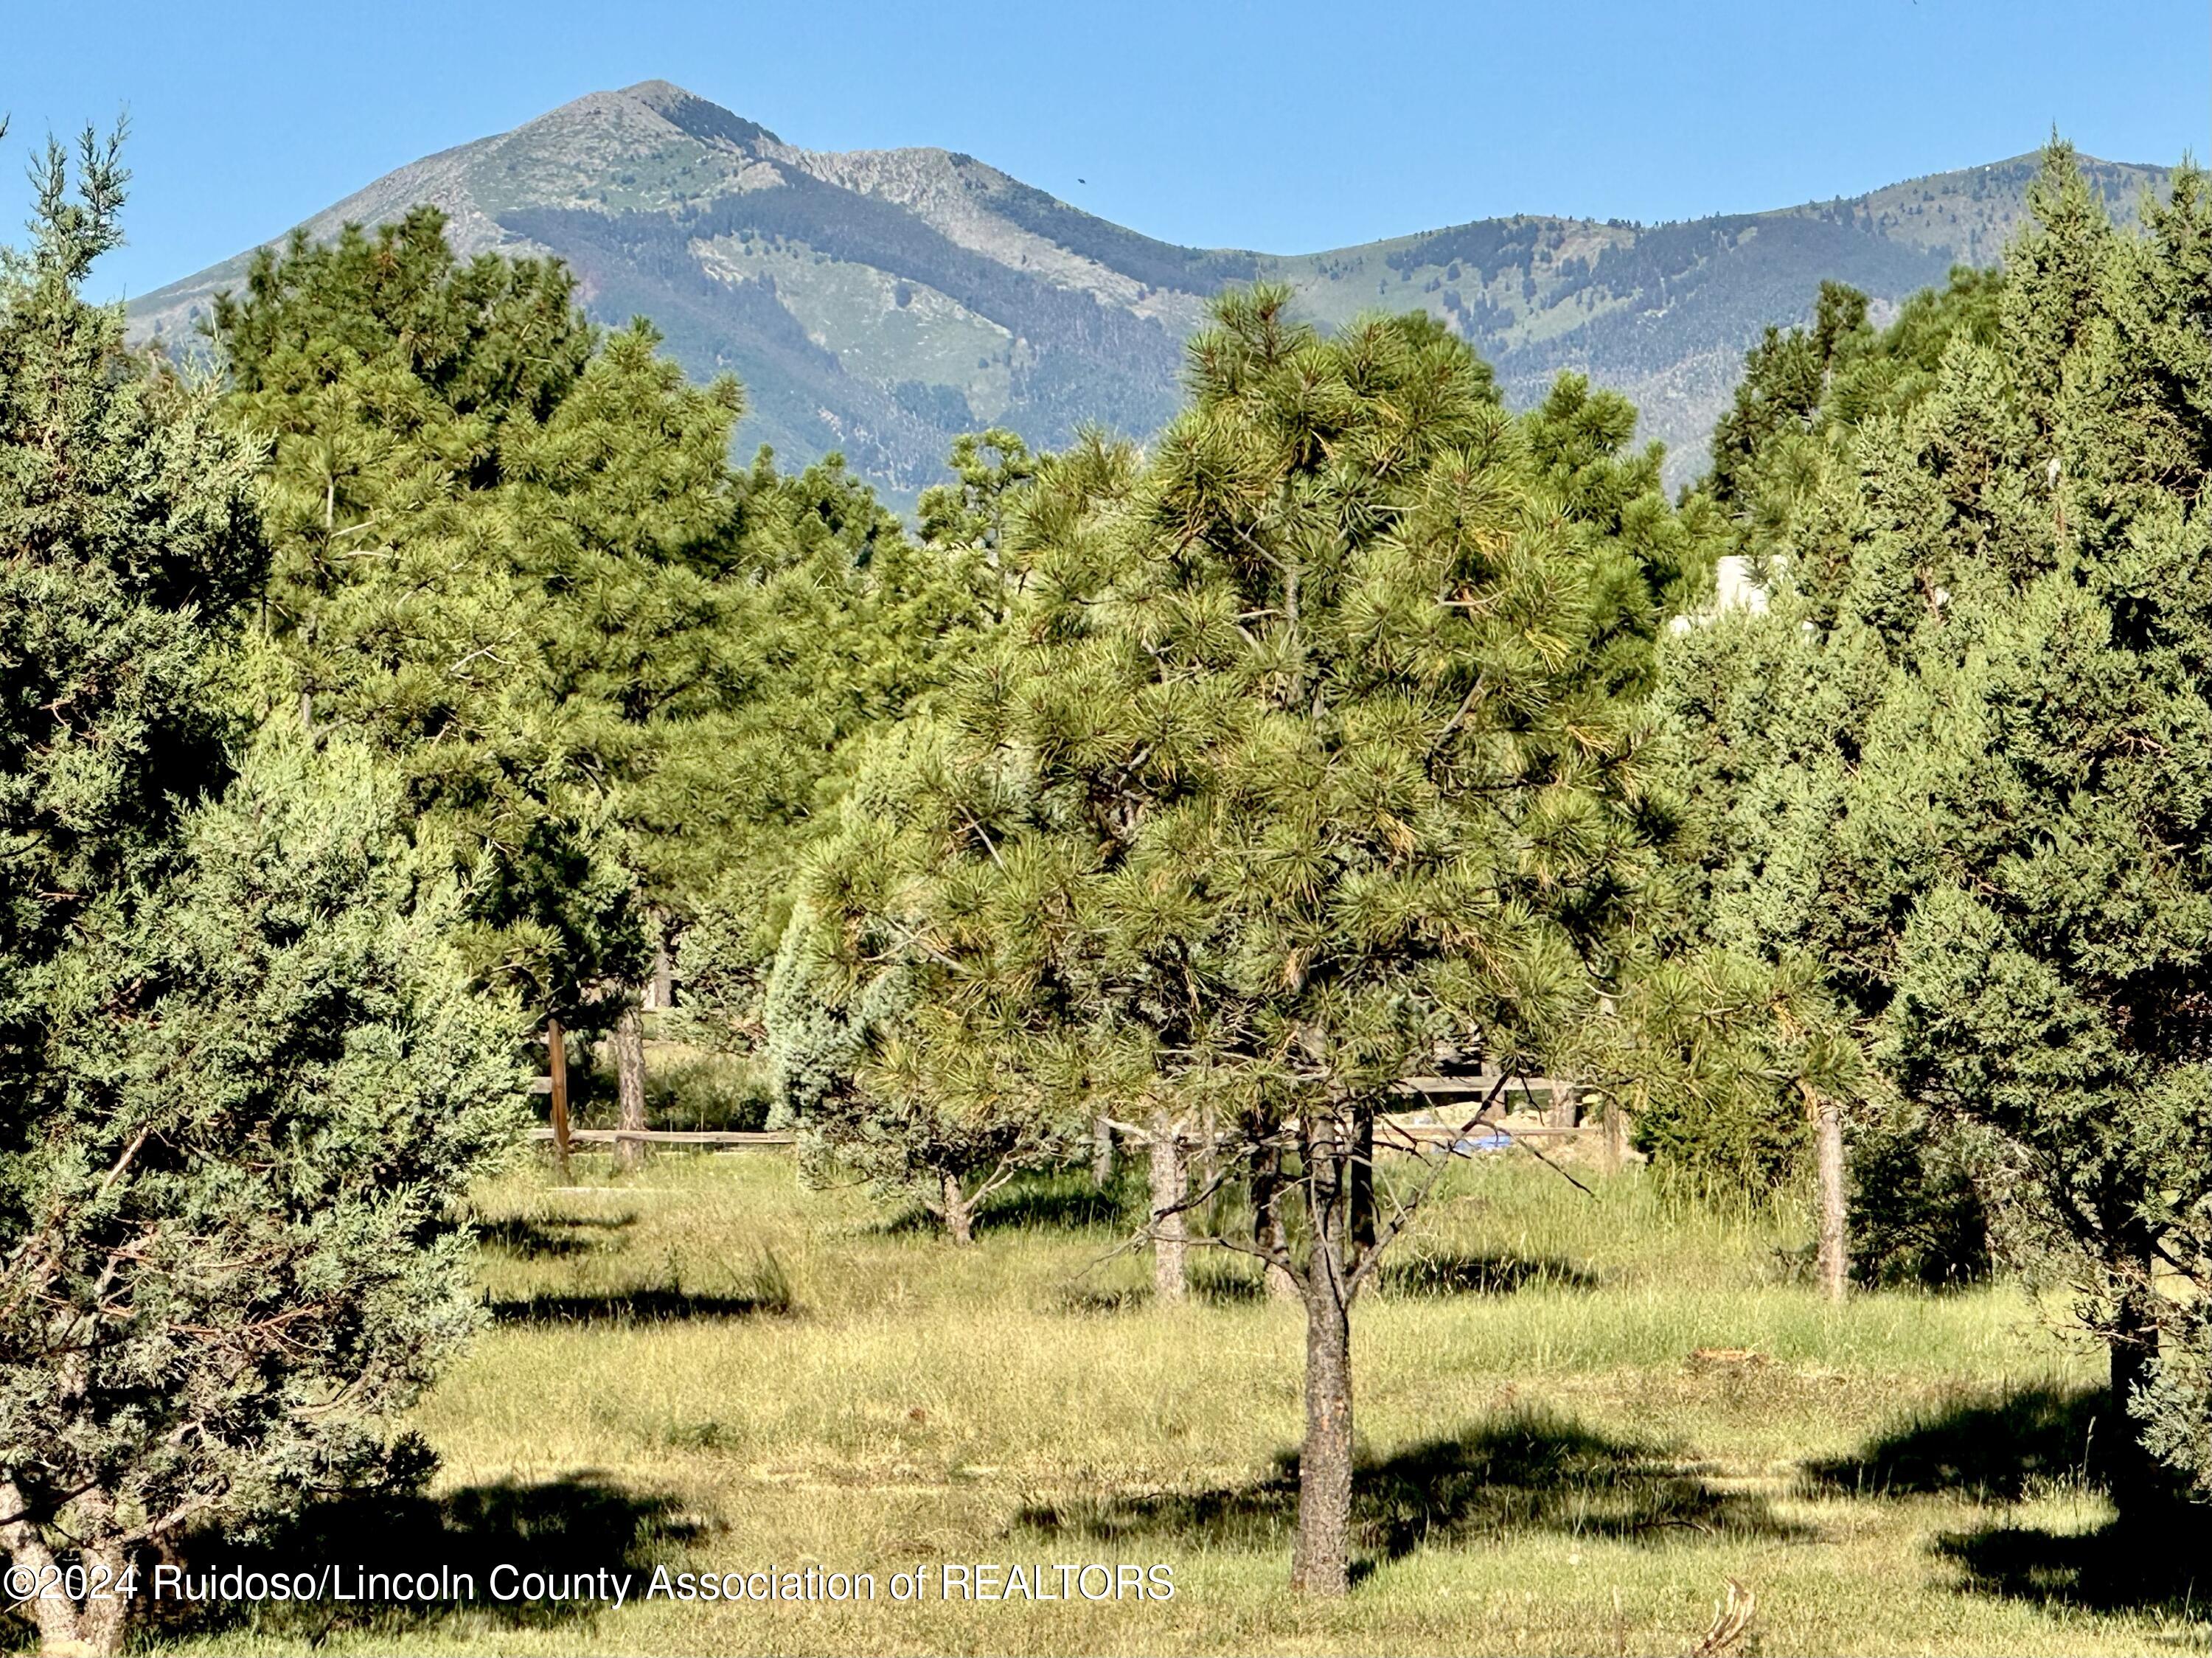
(1484, 1095)
(727, 1139)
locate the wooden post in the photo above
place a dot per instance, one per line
(629, 1082)
(1169, 1230)
(1834, 1264)
(1360, 1184)
(664, 976)
(1559, 1112)
(557, 1058)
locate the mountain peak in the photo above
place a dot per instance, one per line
(879, 302)
(698, 117)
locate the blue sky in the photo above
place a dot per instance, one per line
(1284, 126)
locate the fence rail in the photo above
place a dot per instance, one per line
(728, 1136)
(1453, 1133)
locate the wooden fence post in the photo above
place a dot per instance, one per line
(1834, 1256)
(557, 1058)
(629, 1082)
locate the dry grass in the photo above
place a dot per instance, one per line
(709, 1368)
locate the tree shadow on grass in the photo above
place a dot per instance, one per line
(1526, 1473)
(1226, 1280)
(542, 1237)
(1215, 1285)
(1461, 1273)
(2144, 1567)
(1230, 1279)
(1048, 1202)
(585, 1523)
(647, 1306)
(2001, 1448)
(767, 1292)
(1060, 1204)
(1991, 1447)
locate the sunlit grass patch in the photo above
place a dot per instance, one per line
(1578, 1416)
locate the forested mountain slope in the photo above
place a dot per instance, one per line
(879, 301)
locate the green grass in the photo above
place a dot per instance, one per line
(709, 1368)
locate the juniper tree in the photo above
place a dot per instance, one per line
(1998, 852)
(242, 1077)
(1296, 754)
(1764, 706)
(1747, 1061)
(2035, 785)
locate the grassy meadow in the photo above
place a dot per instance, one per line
(1579, 1416)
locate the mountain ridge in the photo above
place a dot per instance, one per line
(880, 301)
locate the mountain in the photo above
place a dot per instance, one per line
(881, 301)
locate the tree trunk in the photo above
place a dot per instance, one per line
(2135, 1479)
(1615, 1137)
(556, 1061)
(99, 1621)
(959, 1216)
(1267, 1227)
(1320, 1560)
(664, 973)
(629, 1084)
(1101, 1154)
(1170, 1232)
(1361, 1180)
(1834, 1264)
(69, 1628)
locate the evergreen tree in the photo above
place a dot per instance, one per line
(2044, 736)
(1785, 382)
(625, 516)
(1301, 750)
(242, 1077)
(1994, 601)
(414, 598)
(839, 627)
(991, 469)
(931, 615)
(511, 553)
(1765, 705)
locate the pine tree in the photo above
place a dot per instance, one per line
(512, 554)
(1784, 385)
(839, 627)
(625, 516)
(414, 600)
(882, 636)
(1301, 750)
